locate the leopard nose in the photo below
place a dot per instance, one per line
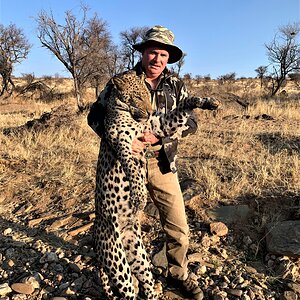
(150, 112)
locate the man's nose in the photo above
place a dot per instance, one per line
(156, 57)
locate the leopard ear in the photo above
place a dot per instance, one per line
(142, 77)
(118, 82)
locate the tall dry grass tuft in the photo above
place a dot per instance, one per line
(49, 168)
(244, 157)
(286, 110)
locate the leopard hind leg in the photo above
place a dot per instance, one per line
(115, 272)
(138, 261)
(106, 285)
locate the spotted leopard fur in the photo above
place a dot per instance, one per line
(120, 184)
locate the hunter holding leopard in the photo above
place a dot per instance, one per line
(133, 156)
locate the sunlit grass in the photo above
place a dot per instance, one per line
(233, 156)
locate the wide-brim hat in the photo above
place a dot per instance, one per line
(163, 37)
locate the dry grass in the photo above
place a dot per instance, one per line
(50, 167)
(234, 157)
(244, 158)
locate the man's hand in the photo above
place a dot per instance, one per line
(150, 138)
(138, 145)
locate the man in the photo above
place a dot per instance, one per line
(167, 91)
(157, 50)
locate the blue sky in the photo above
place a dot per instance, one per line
(218, 36)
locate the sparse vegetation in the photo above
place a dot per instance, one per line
(14, 47)
(246, 153)
(284, 56)
(82, 45)
(236, 152)
(240, 155)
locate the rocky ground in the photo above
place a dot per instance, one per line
(50, 255)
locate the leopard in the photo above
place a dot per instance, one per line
(121, 192)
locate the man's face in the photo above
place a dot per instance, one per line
(154, 60)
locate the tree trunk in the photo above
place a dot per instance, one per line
(80, 104)
(6, 81)
(277, 85)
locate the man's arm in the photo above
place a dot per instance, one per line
(192, 120)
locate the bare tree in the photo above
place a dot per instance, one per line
(228, 78)
(198, 78)
(187, 78)
(128, 38)
(284, 55)
(177, 67)
(82, 45)
(261, 72)
(14, 47)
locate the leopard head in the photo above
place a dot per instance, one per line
(133, 91)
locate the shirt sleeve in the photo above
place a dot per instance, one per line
(192, 121)
(96, 115)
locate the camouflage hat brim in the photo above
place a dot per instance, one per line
(175, 54)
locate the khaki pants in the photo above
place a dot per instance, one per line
(166, 194)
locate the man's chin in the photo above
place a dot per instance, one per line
(155, 70)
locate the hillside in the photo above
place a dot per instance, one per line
(239, 174)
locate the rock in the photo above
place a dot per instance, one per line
(159, 259)
(5, 289)
(172, 295)
(230, 214)
(223, 253)
(289, 295)
(201, 270)
(218, 228)
(195, 257)
(63, 286)
(206, 241)
(69, 291)
(61, 222)
(239, 279)
(78, 283)
(295, 287)
(32, 281)
(7, 231)
(235, 292)
(9, 263)
(10, 253)
(49, 257)
(22, 288)
(24, 208)
(250, 269)
(219, 297)
(284, 238)
(75, 267)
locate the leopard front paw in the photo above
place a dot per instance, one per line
(210, 104)
(138, 201)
